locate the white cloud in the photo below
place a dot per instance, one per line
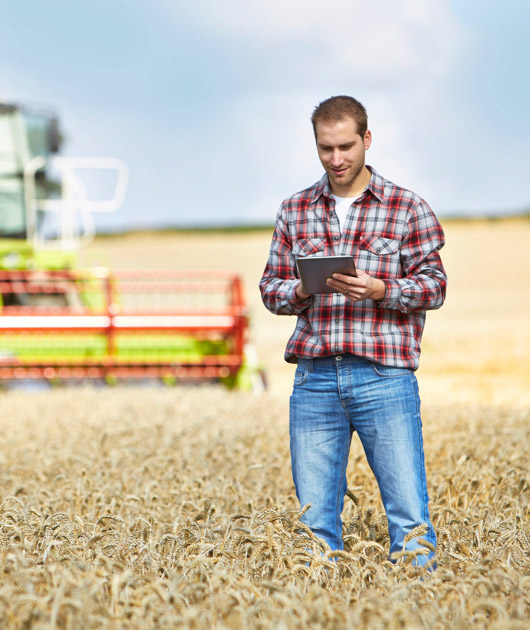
(382, 40)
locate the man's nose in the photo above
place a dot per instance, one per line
(336, 158)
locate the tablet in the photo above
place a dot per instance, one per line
(315, 270)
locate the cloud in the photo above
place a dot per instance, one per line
(381, 41)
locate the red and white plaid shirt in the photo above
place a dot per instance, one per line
(393, 235)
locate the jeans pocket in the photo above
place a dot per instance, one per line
(388, 371)
(300, 376)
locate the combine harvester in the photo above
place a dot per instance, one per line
(59, 322)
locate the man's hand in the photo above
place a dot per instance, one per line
(363, 287)
(300, 293)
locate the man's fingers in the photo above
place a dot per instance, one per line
(343, 277)
(336, 284)
(347, 282)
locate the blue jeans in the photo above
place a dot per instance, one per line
(335, 396)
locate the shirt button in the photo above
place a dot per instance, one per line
(337, 321)
(337, 238)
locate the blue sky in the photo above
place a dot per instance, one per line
(209, 102)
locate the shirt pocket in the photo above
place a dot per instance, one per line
(380, 256)
(380, 245)
(309, 247)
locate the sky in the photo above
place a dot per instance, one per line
(209, 103)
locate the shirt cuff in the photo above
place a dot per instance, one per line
(392, 295)
(298, 305)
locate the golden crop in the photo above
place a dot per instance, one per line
(165, 508)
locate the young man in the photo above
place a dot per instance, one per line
(357, 349)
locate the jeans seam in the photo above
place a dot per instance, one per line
(338, 528)
(424, 504)
(345, 461)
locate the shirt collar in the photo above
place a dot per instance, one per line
(376, 186)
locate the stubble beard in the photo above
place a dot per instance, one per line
(345, 183)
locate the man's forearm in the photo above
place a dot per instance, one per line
(420, 293)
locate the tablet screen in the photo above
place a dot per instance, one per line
(315, 270)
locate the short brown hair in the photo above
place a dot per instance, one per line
(338, 108)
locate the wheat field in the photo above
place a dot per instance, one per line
(157, 507)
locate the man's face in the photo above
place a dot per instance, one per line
(341, 151)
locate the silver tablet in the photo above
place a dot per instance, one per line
(315, 270)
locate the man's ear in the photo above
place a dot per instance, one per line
(367, 140)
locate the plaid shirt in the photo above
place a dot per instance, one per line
(394, 236)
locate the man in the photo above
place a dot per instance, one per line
(357, 348)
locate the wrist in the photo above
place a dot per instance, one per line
(300, 293)
(380, 291)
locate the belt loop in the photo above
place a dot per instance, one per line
(308, 364)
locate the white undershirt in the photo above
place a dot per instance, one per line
(342, 205)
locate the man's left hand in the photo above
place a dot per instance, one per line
(356, 289)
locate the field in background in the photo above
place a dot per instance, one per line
(152, 507)
(475, 349)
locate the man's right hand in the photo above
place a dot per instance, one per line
(300, 293)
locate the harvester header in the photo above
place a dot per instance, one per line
(59, 322)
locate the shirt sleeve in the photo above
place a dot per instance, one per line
(424, 282)
(280, 278)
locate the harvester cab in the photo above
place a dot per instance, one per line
(59, 322)
(45, 210)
